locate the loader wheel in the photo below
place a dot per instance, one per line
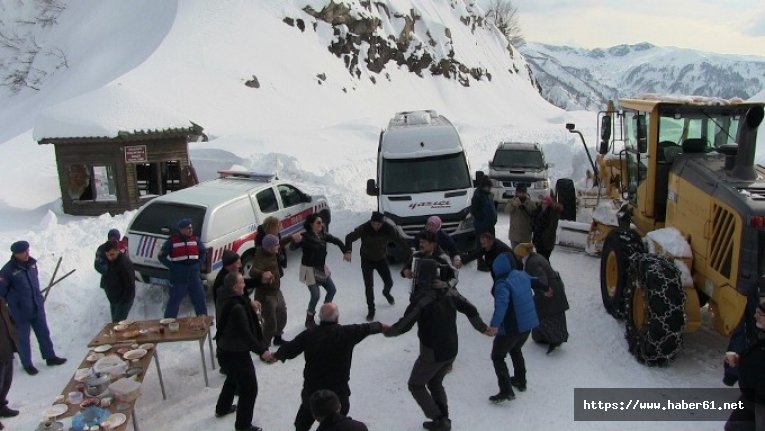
(565, 194)
(654, 309)
(618, 247)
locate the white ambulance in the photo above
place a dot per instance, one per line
(422, 171)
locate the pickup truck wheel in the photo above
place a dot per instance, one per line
(654, 309)
(326, 218)
(248, 261)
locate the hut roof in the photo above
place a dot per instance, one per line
(111, 112)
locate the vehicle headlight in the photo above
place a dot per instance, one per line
(544, 184)
(466, 224)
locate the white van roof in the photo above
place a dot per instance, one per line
(417, 134)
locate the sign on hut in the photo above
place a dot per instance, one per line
(116, 149)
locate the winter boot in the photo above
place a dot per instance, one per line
(389, 297)
(518, 383)
(371, 315)
(552, 347)
(502, 397)
(310, 322)
(441, 424)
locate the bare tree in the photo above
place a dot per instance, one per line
(505, 17)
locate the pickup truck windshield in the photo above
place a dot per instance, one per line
(518, 159)
(427, 174)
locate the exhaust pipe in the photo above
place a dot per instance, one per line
(743, 168)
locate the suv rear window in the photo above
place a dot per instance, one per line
(518, 159)
(159, 215)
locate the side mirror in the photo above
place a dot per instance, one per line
(478, 177)
(307, 198)
(605, 133)
(372, 189)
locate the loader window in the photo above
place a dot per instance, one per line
(636, 127)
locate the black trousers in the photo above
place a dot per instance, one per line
(512, 344)
(382, 268)
(545, 252)
(426, 383)
(240, 379)
(6, 378)
(304, 419)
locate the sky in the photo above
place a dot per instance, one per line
(722, 26)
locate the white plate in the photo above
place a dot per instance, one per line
(81, 374)
(116, 420)
(56, 410)
(119, 328)
(146, 346)
(102, 348)
(93, 357)
(135, 354)
(167, 321)
(125, 322)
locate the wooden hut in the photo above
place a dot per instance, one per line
(116, 149)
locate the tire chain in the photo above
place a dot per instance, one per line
(632, 244)
(661, 338)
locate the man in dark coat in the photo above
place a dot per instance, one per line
(484, 215)
(99, 263)
(375, 236)
(9, 343)
(433, 307)
(325, 407)
(265, 271)
(239, 333)
(119, 281)
(328, 351)
(490, 248)
(183, 254)
(552, 329)
(231, 263)
(751, 378)
(20, 286)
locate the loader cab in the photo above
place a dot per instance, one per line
(654, 133)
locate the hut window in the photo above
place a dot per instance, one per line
(158, 178)
(78, 185)
(104, 184)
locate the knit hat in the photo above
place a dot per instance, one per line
(184, 222)
(523, 249)
(435, 221)
(377, 216)
(229, 257)
(521, 187)
(19, 247)
(270, 241)
(113, 234)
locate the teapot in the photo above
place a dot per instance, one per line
(97, 383)
(50, 426)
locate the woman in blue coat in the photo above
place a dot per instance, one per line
(20, 286)
(514, 317)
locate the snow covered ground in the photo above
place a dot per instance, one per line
(183, 55)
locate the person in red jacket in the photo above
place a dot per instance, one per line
(183, 254)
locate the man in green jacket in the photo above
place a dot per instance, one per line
(265, 271)
(375, 236)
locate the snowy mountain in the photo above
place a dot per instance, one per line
(575, 78)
